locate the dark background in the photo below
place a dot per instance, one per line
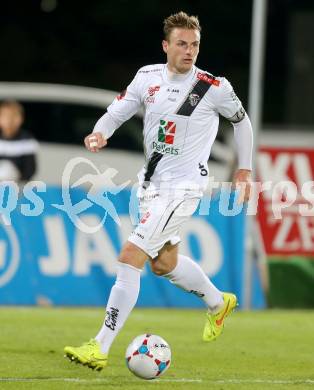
(101, 44)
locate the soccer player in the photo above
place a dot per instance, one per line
(182, 106)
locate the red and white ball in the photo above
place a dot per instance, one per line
(148, 356)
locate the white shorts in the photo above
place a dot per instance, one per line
(161, 218)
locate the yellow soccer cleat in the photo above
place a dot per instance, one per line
(88, 354)
(215, 322)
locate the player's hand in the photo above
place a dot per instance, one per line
(94, 142)
(242, 181)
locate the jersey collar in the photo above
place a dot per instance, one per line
(175, 77)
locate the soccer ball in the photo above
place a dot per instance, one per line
(148, 356)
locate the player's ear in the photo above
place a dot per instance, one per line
(165, 46)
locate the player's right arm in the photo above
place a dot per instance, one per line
(229, 106)
(120, 110)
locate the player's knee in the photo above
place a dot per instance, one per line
(128, 253)
(159, 268)
(132, 255)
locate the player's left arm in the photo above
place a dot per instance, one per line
(230, 106)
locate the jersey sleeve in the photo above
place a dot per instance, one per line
(228, 104)
(121, 109)
(243, 135)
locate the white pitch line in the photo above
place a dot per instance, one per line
(179, 380)
(77, 380)
(266, 381)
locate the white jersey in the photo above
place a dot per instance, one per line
(181, 118)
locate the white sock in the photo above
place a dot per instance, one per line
(122, 299)
(190, 277)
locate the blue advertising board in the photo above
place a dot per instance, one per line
(46, 259)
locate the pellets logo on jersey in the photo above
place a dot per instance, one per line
(166, 132)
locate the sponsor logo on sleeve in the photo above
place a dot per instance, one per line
(208, 79)
(121, 95)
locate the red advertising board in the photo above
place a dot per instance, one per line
(286, 207)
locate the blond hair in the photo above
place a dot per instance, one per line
(180, 20)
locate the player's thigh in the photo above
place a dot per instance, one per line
(160, 225)
(149, 234)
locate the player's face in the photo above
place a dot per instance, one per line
(182, 48)
(10, 121)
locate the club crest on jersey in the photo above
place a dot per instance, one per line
(194, 99)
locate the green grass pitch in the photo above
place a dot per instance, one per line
(258, 350)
